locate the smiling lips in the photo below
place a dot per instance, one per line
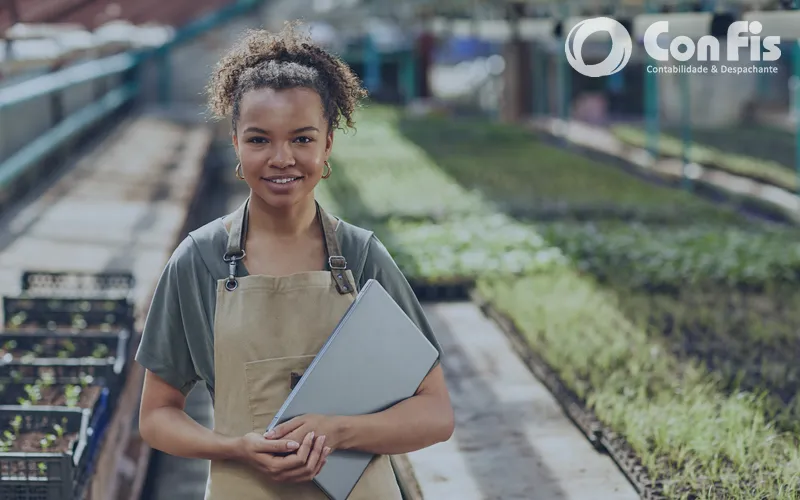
(280, 183)
(282, 179)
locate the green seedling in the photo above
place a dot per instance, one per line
(73, 394)
(69, 346)
(59, 431)
(34, 393)
(47, 442)
(16, 424)
(47, 379)
(100, 352)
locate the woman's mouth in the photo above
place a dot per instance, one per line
(282, 185)
(283, 180)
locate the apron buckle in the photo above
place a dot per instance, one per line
(337, 262)
(232, 283)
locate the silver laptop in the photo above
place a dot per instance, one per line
(375, 358)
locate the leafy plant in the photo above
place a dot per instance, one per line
(72, 394)
(467, 248)
(34, 394)
(16, 424)
(100, 351)
(47, 441)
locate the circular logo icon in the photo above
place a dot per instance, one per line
(621, 46)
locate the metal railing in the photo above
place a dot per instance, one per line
(40, 118)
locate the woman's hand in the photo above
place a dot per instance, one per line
(268, 457)
(294, 429)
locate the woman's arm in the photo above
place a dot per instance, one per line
(418, 422)
(165, 426)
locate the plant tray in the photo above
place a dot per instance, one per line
(77, 284)
(57, 475)
(54, 313)
(108, 370)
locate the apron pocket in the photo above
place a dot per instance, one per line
(269, 382)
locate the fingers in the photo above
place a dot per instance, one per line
(275, 446)
(285, 428)
(308, 470)
(306, 447)
(316, 455)
(325, 452)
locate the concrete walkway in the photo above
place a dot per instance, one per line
(512, 440)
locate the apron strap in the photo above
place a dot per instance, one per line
(235, 249)
(235, 252)
(336, 261)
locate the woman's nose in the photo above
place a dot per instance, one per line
(283, 157)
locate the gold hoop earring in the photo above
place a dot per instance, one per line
(239, 176)
(330, 170)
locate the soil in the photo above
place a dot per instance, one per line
(31, 443)
(53, 396)
(52, 347)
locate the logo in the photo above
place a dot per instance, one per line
(741, 35)
(621, 46)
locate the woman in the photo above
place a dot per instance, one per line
(246, 301)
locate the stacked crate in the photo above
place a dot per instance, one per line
(63, 350)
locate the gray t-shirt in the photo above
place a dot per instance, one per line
(178, 337)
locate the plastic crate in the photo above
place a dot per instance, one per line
(108, 371)
(80, 284)
(71, 314)
(46, 475)
(99, 415)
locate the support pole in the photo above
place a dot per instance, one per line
(651, 95)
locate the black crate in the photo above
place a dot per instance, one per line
(45, 475)
(58, 313)
(80, 284)
(108, 371)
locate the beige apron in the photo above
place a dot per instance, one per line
(266, 332)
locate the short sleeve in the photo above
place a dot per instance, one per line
(164, 348)
(380, 265)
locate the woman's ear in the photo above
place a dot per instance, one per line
(328, 143)
(235, 142)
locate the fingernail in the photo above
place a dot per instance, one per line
(293, 445)
(327, 450)
(311, 435)
(270, 434)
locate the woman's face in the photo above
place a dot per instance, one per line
(282, 141)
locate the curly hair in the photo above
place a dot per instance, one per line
(283, 60)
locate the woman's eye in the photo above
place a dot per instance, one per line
(304, 140)
(257, 140)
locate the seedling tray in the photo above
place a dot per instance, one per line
(49, 361)
(77, 284)
(56, 475)
(54, 313)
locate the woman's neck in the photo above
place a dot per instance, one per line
(282, 222)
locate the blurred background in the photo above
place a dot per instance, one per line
(631, 240)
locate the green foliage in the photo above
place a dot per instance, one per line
(670, 258)
(467, 248)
